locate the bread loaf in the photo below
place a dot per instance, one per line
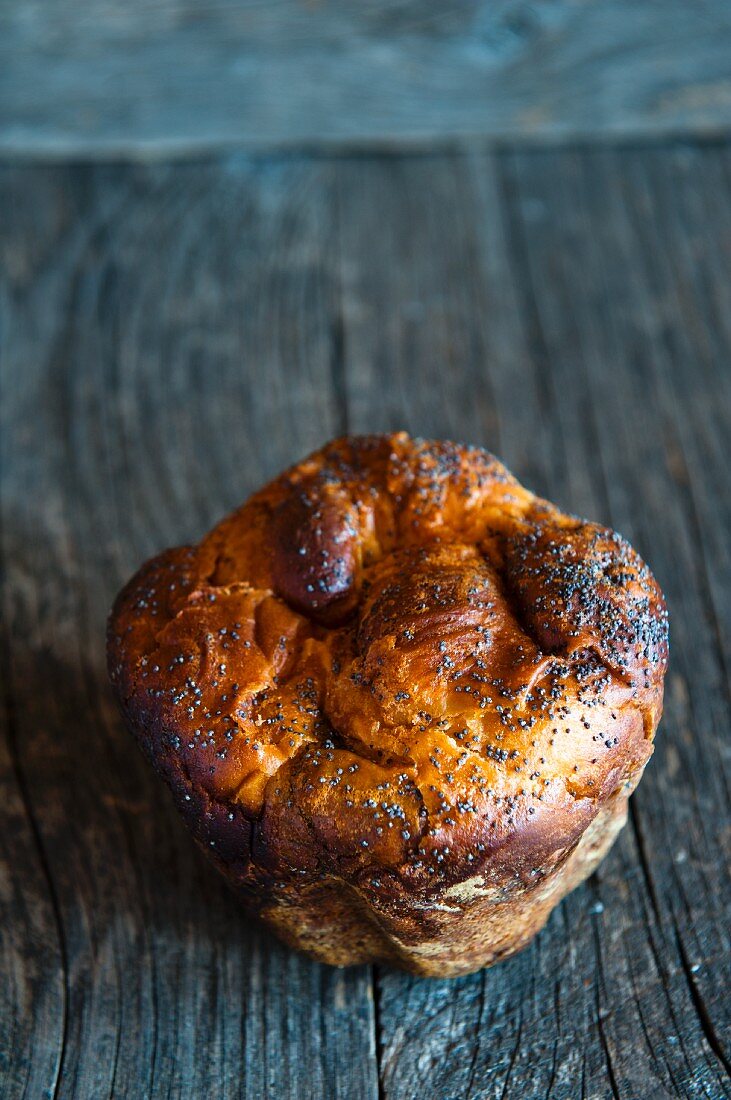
(400, 701)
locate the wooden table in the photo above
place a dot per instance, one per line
(174, 334)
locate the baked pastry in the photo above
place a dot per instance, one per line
(400, 701)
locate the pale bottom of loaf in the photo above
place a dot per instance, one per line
(476, 925)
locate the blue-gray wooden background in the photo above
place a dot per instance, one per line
(229, 231)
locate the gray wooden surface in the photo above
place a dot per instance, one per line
(90, 77)
(171, 336)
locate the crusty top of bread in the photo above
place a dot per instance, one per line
(396, 665)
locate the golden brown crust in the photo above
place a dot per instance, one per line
(399, 700)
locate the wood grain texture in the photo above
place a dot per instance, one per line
(89, 78)
(170, 338)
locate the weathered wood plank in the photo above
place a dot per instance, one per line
(475, 305)
(608, 326)
(93, 79)
(167, 348)
(173, 336)
(682, 248)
